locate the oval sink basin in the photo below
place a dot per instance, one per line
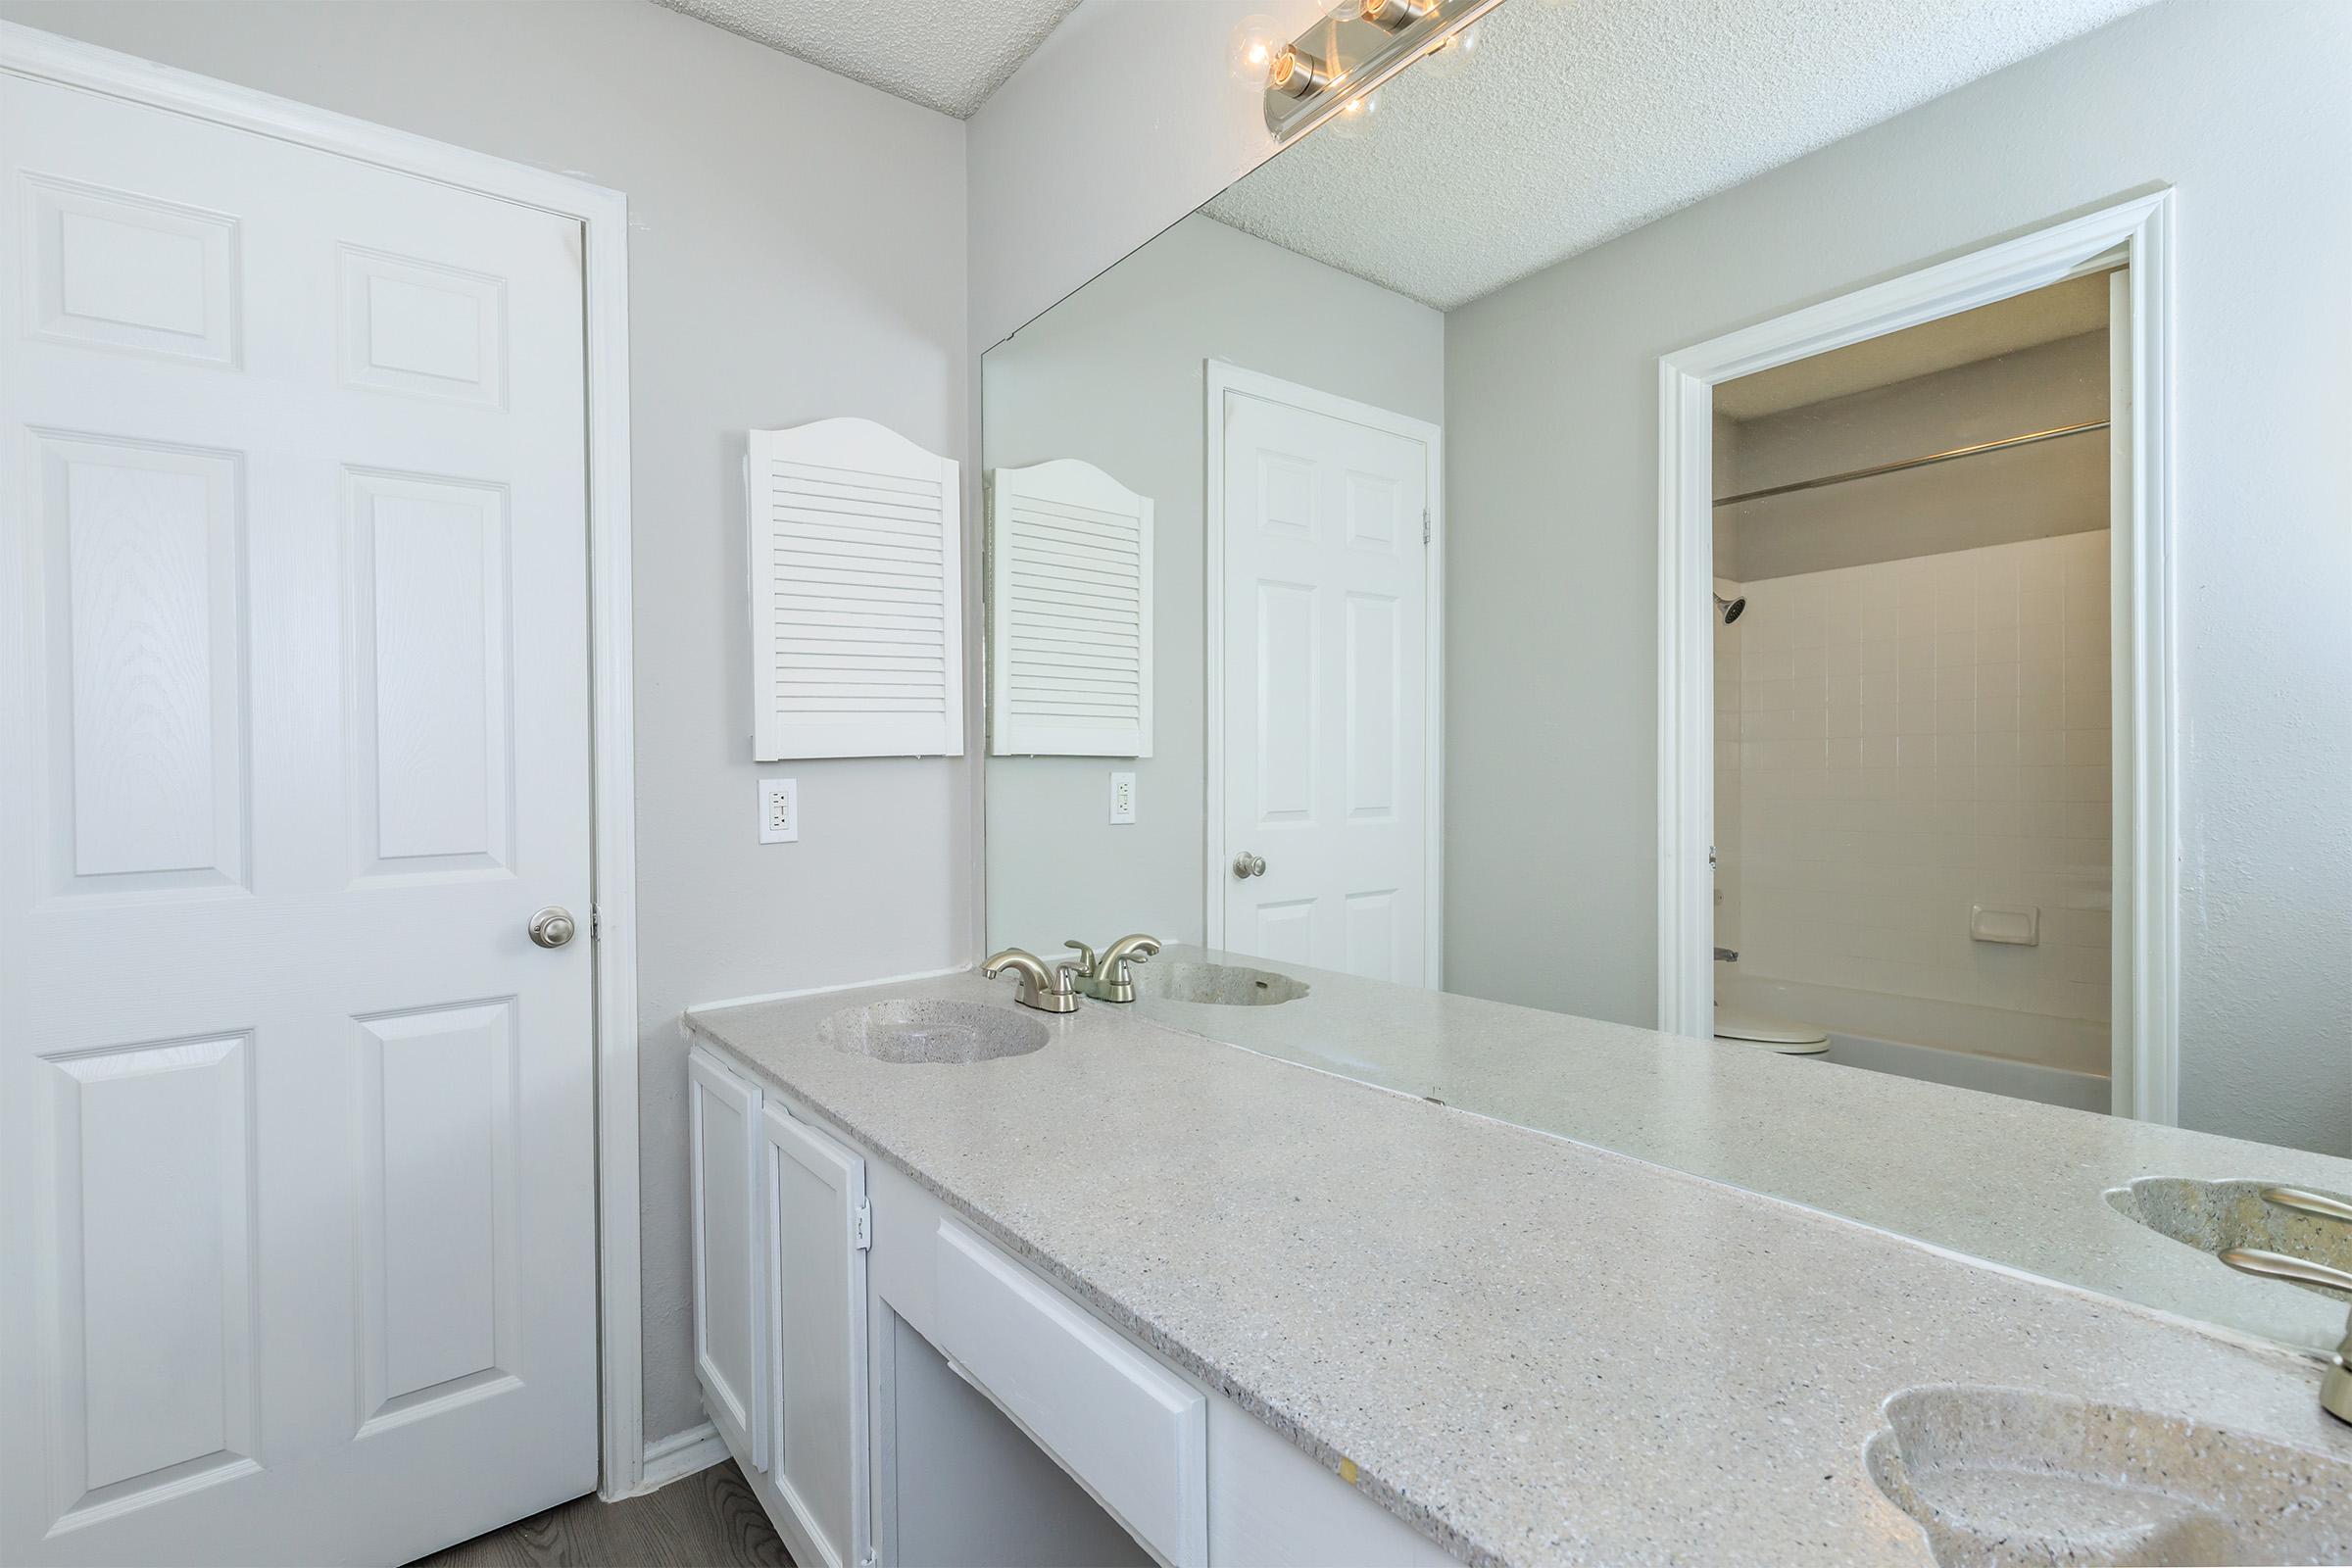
(912, 1031)
(2004, 1476)
(2214, 1216)
(1221, 985)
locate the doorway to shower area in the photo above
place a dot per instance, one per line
(1913, 775)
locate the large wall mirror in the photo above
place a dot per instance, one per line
(1808, 653)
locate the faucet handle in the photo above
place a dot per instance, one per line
(1086, 957)
(2319, 1205)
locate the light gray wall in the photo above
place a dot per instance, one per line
(1126, 118)
(1551, 392)
(1114, 375)
(796, 250)
(2031, 492)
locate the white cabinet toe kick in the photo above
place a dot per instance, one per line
(899, 1389)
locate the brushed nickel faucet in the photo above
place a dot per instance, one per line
(1036, 986)
(2336, 1386)
(1109, 979)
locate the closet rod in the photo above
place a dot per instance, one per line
(1917, 462)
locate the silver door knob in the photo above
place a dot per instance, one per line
(1246, 865)
(553, 926)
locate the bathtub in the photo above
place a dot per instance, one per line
(2059, 1062)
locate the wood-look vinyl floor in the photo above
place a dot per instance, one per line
(709, 1520)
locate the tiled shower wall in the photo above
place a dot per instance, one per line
(1898, 742)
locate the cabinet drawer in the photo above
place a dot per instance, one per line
(1134, 1434)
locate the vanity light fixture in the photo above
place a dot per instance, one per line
(1332, 70)
(1452, 52)
(1354, 117)
(1397, 15)
(1297, 74)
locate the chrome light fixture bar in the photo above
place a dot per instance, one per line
(1341, 58)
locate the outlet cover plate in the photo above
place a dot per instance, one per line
(1122, 798)
(779, 810)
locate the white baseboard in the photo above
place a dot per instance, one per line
(679, 1455)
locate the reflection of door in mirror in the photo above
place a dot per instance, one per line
(1321, 516)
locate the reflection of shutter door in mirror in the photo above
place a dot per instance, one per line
(1070, 606)
(857, 594)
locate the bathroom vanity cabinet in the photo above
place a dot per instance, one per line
(1099, 1291)
(898, 1388)
(780, 1234)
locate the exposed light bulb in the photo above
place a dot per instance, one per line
(1452, 52)
(1353, 118)
(1256, 43)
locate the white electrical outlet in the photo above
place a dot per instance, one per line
(1122, 797)
(779, 810)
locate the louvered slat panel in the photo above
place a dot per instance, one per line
(857, 594)
(1070, 613)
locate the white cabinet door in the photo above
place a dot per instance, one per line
(723, 1126)
(816, 1384)
(298, 1257)
(1324, 694)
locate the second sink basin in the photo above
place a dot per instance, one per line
(2004, 1476)
(2214, 1216)
(1220, 984)
(912, 1031)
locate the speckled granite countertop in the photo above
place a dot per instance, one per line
(2012, 1180)
(1534, 1352)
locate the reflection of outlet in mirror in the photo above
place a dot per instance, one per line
(1122, 797)
(779, 810)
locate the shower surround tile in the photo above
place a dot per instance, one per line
(1914, 738)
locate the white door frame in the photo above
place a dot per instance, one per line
(603, 216)
(2145, 1008)
(1223, 377)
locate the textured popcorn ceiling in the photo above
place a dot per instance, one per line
(1576, 121)
(946, 55)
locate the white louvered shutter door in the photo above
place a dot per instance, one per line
(857, 594)
(1070, 601)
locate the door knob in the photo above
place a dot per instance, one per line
(553, 926)
(1246, 865)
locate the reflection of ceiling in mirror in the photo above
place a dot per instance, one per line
(1576, 121)
(2022, 322)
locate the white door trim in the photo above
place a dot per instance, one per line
(1223, 377)
(603, 216)
(2147, 1010)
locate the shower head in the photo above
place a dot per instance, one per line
(1729, 610)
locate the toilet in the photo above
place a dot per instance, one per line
(1769, 1033)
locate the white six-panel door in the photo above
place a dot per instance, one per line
(298, 1147)
(1324, 685)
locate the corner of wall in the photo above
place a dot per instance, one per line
(1130, 107)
